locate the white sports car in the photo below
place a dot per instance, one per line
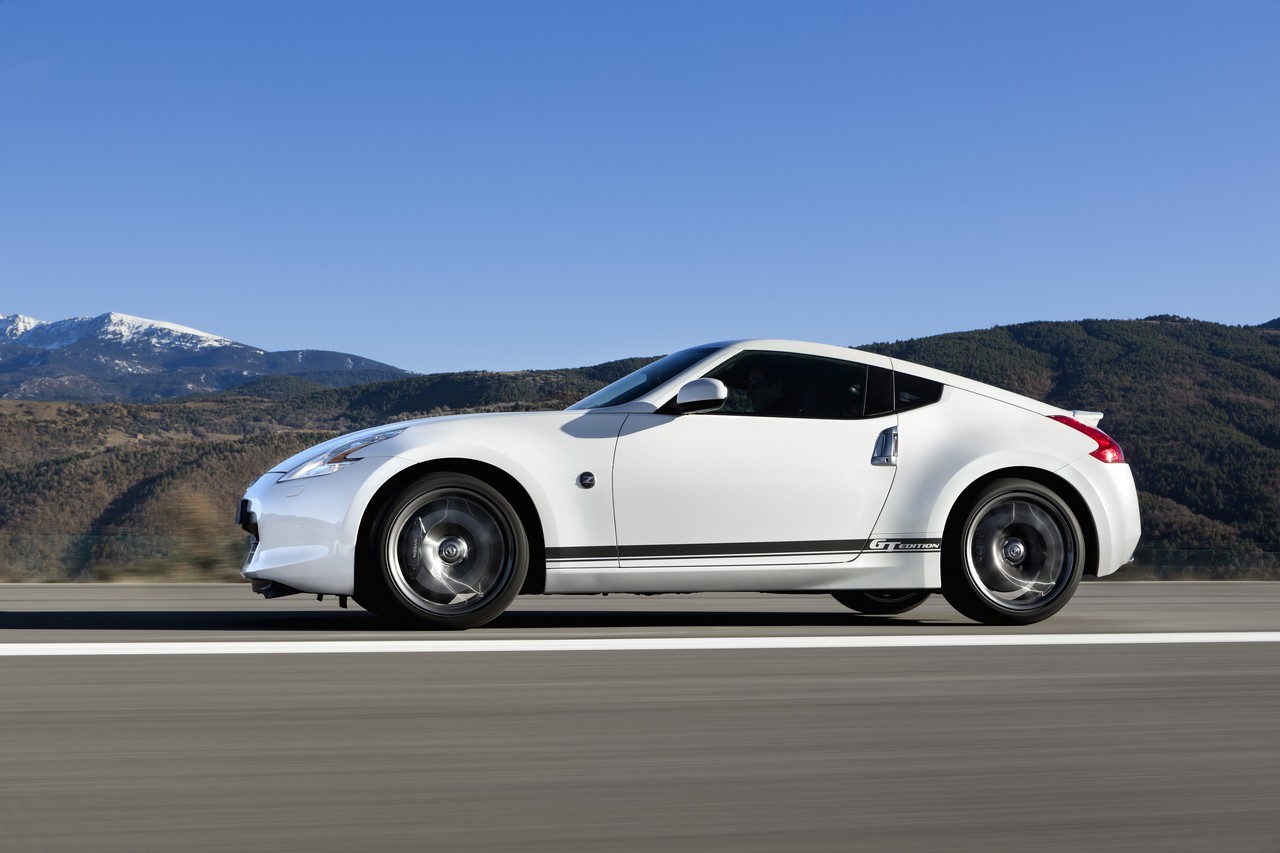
(771, 466)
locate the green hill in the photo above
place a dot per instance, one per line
(123, 489)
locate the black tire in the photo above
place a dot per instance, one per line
(885, 602)
(448, 552)
(1013, 555)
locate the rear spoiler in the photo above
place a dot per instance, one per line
(1087, 418)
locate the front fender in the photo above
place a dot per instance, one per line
(545, 454)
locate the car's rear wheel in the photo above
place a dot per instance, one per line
(884, 602)
(1013, 555)
(448, 552)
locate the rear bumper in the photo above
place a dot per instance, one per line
(1112, 497)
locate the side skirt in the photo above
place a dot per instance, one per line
(917, 567)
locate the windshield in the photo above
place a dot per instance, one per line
(644, 380)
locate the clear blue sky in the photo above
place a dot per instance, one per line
(506, 185)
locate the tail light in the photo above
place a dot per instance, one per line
(1107, 450)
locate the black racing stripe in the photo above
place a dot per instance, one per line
(717, 549)
(742, 549)
(589, 552)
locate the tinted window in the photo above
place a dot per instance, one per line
(912, 392)
(640, 382)
(792, 386)
(879, 392)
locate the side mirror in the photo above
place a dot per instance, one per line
(701, 395)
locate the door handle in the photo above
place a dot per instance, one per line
(886, 450)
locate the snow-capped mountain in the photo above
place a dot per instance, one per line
(120, 328)
(120, 357)
(14, 326)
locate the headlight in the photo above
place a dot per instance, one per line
(336, 458)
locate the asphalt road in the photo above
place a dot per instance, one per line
(1125, 745)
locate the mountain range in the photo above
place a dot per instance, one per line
(121, 357)
(101, 489)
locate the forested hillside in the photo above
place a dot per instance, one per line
(140, 490)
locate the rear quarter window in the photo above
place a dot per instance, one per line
(913, 392)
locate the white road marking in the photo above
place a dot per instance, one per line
(627, 644)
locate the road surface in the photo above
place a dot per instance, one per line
(1145, 716)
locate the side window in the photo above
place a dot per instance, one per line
(912, 392)
(792, 386)
(879, 392)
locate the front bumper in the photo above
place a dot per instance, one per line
(304, 532)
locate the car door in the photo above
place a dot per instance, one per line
(782, 475)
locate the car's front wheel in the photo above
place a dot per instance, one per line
(884, 602)
(1013, 555)
(449, 551)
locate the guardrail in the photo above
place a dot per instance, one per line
(112, 556)
(1252, 562)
